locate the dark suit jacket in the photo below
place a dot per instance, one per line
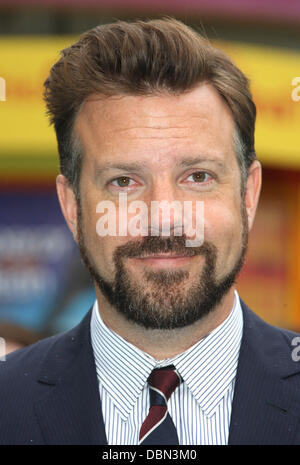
(49, 391)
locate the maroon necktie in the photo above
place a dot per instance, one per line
(158, 427)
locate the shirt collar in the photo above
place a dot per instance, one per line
(208, 367)
(119, 363)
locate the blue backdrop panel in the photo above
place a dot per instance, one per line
(42, 281)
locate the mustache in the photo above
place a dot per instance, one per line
(150, 245)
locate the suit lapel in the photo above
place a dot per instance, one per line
(69, 408)
(265, 407)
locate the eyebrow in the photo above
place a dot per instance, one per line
(139, 166)
(100, 170)
(189, 161)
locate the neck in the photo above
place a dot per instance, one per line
(159, 343)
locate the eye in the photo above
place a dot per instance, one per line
(122, 181)
(199, 177)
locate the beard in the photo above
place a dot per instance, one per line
(164, 299)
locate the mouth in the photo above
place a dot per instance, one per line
(164, 260)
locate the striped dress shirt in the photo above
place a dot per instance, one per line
(200, 407)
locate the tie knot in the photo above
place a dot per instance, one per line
(165, 380)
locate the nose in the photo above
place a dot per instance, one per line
(165, 209)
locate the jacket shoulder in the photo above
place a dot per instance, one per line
(20, 370)
(29, 357)
(27, 362)
(23, 376)
(252, 320)
(278, 348)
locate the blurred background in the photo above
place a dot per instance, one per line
(44, 288)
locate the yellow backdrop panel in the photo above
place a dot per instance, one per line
(27, 141)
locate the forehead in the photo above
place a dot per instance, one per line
(198, 119)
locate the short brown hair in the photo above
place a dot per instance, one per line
(140, 58)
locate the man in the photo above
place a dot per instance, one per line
(169, 354)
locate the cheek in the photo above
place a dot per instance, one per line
(104, 248)
(223, 227)
(100, 249)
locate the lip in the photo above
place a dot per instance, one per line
(164, 260)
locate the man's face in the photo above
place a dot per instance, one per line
(161, 148)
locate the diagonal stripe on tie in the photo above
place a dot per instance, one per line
(158, 427)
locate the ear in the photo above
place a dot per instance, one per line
(252, 191)
(67, 202)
